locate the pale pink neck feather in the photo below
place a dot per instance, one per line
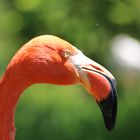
(10, 90)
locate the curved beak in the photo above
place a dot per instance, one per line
(100, 83)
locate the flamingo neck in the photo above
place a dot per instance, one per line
(10, 90)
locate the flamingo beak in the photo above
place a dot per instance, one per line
(103, 88)
(100, 83)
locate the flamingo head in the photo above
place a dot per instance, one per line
(49, 59)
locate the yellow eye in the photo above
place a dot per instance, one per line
(66, 53)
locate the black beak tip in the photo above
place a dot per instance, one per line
(108, 107)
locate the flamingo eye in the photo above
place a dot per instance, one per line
(66, 53)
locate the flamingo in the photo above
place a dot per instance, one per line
(52, 60)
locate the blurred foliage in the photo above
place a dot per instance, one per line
(52, 112)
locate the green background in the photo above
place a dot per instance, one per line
(49, 112)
